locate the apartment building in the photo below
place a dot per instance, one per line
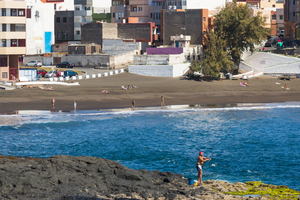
(64, 26)
(289, 19)
(82, 14)
(192, 22)
(12, 37)
(297, 19)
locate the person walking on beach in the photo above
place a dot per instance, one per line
(133, 104)
(53, 103)
(200, 163)
(162, 102)
(74, 106)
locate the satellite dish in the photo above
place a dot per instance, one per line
(181, 36)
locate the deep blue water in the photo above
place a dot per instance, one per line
(258, 143)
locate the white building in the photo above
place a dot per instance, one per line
(40, 26)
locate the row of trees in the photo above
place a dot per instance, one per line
(235, 31)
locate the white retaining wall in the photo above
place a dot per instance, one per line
(159, 70)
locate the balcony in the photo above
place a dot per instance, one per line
(12, 20)
(12, 50)
(83, 2)
(120, 8)
(13, 4)
(139, 2)
(158, 8)
(13, 35)
(83, 13)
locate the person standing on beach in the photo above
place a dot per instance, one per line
(53, 103)
(200, 163)
(74, 105)
(162, 102)
(133, 104)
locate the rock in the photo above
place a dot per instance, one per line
(88, 178)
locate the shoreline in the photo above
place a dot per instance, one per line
(68, 177)
(152, 108)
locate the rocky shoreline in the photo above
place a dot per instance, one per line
(79, 178)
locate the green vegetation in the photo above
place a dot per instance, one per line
(216, 57)
(272, 191)
(101, 16)
(237, 28)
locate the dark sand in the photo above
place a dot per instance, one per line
(177, 91)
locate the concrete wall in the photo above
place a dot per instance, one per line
(87, 60)
(159, 70)
(284, 69)
(91, 33)
(158, 59)
(262, 60)
(188, 22)
(59, 48)
(109, 30)
(141, 31)
(117, 61)
(164, 51)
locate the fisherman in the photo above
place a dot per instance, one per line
(200, 162)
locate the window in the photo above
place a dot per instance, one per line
(3, 12)
(150, 15)
(273, 6)
(3, 61)
(14, 42)
(184, 2)
(3, 42)
(281, 17)
(77, 8)
(20, 27)
(3, 27)
(87, 8)
(64, 19)
(77, 32)
(140, 8)
(21, 12)
(14, 12)
(294, 14)
(57, 19)
(58, 35)
(265, 19)
(4, 75)
(113, 15)
(12, 27)
(134, 9)
(204, 33)
(273, 17)
(64, 35)
(204, 19)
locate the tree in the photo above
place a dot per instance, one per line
(240, 30)
(216, 57)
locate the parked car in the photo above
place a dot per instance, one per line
(42, 72)
(51, 74)
(65, 65)
(280, 33)
(34, 63)
(70, 73)
(268, 44)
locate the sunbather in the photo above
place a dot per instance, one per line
(104, 91)
(245, 83)
(133, 86)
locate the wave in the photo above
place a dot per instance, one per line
(39, 117)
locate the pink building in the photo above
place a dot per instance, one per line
(13, 37)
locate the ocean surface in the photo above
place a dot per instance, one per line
(248, 142)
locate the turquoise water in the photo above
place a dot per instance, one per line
(260, 142)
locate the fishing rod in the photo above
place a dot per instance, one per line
(221, 145)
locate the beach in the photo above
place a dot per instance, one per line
(177, 91)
